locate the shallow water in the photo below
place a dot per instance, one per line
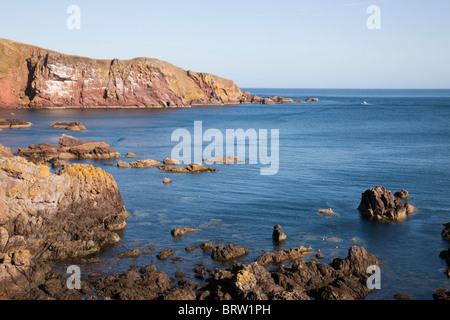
(330, 152)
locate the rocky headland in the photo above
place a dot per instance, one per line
(39, 78)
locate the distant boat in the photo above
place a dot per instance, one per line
(364, 102)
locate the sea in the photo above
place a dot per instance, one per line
(329, 153)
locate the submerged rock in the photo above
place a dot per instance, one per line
(129, 254)
(181, 231)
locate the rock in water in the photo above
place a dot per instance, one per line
(446, 231)
(181, 231)
(380, 204)
(229, 252)
(71, 213)
(278, 235)
(403, 194)
(167, 180)
(71, 126)
(68, 148)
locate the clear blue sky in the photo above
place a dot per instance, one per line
(290, 44)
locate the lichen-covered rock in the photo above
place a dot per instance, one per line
(71, 213)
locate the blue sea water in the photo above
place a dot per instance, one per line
(330, 152)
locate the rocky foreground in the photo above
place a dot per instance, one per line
(75, 212)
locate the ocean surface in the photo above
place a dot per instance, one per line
(329, 153)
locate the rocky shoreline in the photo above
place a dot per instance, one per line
(72, 214)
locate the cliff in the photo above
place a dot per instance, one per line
(34, 77)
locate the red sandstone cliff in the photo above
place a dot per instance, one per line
(34, 77)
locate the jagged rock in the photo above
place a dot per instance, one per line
(230, 252)
(278, 235)
(145, 284)
(380, 204)
(71, 126)
(181, 231)
(56, 163)
(446, 231)
(442, 295)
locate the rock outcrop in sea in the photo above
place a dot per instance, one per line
(68, 148)
(380, 204)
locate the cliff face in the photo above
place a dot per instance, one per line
(36, 77)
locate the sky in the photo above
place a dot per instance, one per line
(258, 44)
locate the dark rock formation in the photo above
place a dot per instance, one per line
(230, 252)
(442, 295)
(309, 99)
(446, 231)
(380, 204)
(278, 235)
